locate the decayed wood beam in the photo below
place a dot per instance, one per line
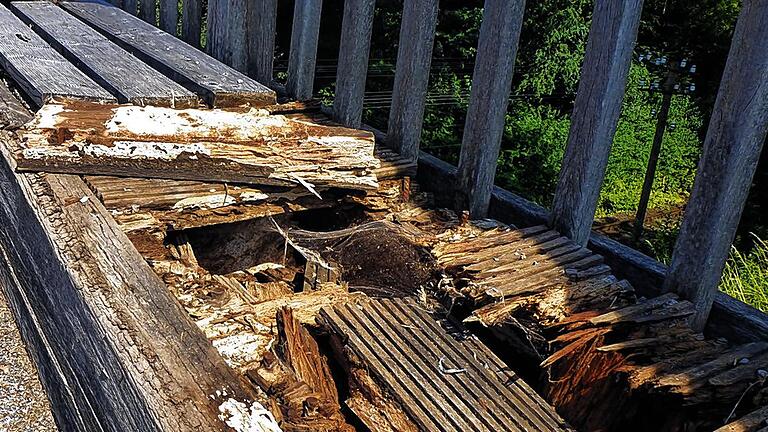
(352, 71)
(303, 54)
(753, 422)
(595, 116)
(414, 58)
(491, 84)
(735, 137)
(123, 354)
(249, 147)
(12, 113)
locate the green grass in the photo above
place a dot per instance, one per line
(746, 275)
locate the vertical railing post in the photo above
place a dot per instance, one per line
(303, 55)
(353, 61)
(735, 137)
(169, 15)
(147, 11)
(414, 58)
(486, 115)
(595, 115)
(227, 33)
(191, 21)
(131, 6)
(262, 22)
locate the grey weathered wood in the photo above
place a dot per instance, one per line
(735, 137)
(218, 84)
(38, 69)
(116, 347)
(491, 84)
(109, 65)
(227, 38)
(191, 16)
(169, 16)
(303, 54)
(414, 58)
(595, 115)
(130, 6)
(261, 24)
(353, 61)
(148, 11)
(13, 113)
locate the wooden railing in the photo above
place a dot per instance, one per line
(242, 34)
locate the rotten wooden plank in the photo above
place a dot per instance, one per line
(109, 65)
(140, 363)
(248, 147)
(218, 84)
(391, 333)
(41, 72)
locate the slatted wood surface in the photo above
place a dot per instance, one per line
(592, 329)
(40, 71)
(442, 383)
(109, 65)
(218, 84)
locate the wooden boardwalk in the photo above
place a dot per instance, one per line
(555, 303)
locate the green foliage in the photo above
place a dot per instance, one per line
(632, 146)
(746, 275)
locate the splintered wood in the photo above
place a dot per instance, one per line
(602, 348)
(245, 146)
(409, 373)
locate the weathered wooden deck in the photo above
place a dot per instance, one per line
(132, 327)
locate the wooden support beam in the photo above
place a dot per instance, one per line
(106, 63)
(732, 148)
(148, 11)
(111, 341)
(595, 115)
(303, 55)
(227, 33)
(491, 84)
(38, 69)
(169, 15)
(261, 24)
(191, 16)
(353, 61)
(414, 58)
(217, 84)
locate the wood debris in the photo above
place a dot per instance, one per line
(239, 146)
